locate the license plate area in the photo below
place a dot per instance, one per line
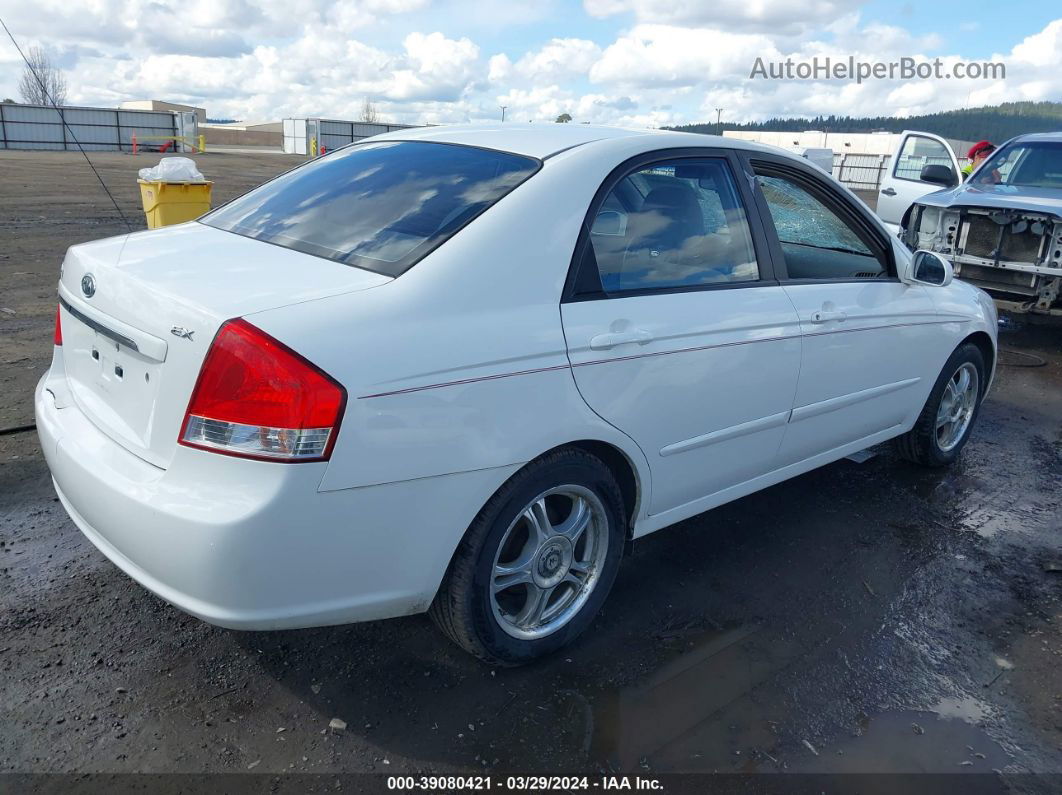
(112, 364)
(115, 386)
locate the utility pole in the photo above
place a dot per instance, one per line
(719, 114)
(503, 107)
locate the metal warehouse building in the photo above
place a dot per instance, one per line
(95, 129)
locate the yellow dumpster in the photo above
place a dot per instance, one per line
(167, 203)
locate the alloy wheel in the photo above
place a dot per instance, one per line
(549, 561)
(957, 406)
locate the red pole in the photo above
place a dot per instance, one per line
(134, 143)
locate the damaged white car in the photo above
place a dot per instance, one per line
(1002, 227)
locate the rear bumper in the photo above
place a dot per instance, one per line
(255, 545)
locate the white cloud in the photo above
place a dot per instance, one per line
(773, 16)
(559, 59)
(1041, 49)
(536, 104)
(436, 68)
(674, 62)
(666, 55)
(499, 68)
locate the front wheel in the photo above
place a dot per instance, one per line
(944, 426)
(537, 563)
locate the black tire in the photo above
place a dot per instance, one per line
(463, 609)
(921, 443)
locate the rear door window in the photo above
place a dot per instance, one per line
(381, 206)
(676, 224)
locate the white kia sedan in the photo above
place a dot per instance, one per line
(459, 369)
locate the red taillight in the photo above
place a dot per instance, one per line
(58, 337)
(257, 398)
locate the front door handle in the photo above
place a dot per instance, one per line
(888, 191)
(604, 342)
(824, 316)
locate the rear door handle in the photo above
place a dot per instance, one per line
(823, 316)
(604, 342)
(888, 191)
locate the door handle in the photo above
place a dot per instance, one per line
(823, 316)
(888, 191)
(604, 342)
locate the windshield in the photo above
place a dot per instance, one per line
(381, 206)
(1029, 165)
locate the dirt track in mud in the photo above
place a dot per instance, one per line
(864, 617)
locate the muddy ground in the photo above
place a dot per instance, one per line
(866, 617)
(52, 200)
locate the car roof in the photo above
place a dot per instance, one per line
(1052, 137)
(545, 139)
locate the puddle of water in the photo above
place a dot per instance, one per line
(965, 708)
(703, 711)
(680, 714)
(909, 742)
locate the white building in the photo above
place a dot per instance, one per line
(875, 143)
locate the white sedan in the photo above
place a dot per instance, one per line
(459, 369)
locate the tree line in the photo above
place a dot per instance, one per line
(995, 122)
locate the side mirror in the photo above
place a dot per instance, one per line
(939, 175)
(930, 268)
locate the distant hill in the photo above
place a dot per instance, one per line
(993, 122)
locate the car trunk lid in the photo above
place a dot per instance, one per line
(139, 313)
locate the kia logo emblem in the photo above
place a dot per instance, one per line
(88, 285)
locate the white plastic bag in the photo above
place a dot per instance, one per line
(173, 169)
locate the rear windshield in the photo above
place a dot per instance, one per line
(381, 206)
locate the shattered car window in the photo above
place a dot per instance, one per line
(801, 218)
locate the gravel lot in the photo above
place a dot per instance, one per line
(870, 617)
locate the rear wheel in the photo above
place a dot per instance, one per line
(948, 417)
(537, 563)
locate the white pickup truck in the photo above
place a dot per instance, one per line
(1001, 229)
(904, 184)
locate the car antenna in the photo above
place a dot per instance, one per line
(62, 118)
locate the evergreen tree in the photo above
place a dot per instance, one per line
(995, 123)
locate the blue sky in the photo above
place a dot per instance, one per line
(642, 63)
(977, 30)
